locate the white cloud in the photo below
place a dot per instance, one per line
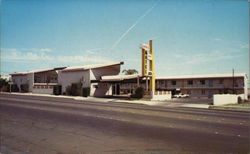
(244, 46)
(90, 52)
(93, 51)
(217, 39)
(45, 50)
(13, 55)
(86, 59)
(28, 56)
(8, 50)
(205, 57)
(28, 49)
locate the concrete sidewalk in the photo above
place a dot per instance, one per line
(117, 100)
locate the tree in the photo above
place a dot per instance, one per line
(3, 82)
(130, 71)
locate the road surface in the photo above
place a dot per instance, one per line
(35, 124)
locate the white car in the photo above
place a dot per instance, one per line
(181, 95)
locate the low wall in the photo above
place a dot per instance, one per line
(222, 99)
(159, 95)
(43, 91)
(162, 97)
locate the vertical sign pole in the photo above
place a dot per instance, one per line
(152, 68)
(143, 62)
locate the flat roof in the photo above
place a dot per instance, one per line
(203, 76)
(87, 67)
(119, 77)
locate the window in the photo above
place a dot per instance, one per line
(189, 92)
(190, 82)
(221, 81)
(162, 82)
(203, 92)
(202, 82)
(173, 82)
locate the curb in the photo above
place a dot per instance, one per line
(238, 109)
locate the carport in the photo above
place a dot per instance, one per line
(123, 84)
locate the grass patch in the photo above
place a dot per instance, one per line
(240, 105)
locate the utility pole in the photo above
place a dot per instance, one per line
(233, 81)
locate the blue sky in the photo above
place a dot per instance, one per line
(189, 37)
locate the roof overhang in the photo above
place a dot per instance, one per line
(114, 78)
(205, 76)
(87, 67)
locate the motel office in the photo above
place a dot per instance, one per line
(104, 80)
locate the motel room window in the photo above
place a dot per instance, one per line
(190, 82)
(162, 82)
(202, 82)
(173, 82)
(221, 81)
(203, 92)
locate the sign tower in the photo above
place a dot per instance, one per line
(148, 66)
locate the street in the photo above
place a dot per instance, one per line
(36, 124)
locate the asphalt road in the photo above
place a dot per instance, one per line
(33, 124)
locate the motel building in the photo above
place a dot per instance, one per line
(104, 80)
(196, 86)
(44, 81)
(205, 85)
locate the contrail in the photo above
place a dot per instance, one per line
(132, 26)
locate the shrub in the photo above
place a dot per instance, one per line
(240, 100)
(14, 88)
(85, 91)
(24, 88)
(3, 83)
(57, 90)
(68, 90)
(139, 92)
(76, 89)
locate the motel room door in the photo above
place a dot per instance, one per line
(210, 83)
(115, 89)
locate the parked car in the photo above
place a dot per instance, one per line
(181, 95)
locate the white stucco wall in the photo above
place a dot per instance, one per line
(67, 78)
(222, 99)
(30, 81)
(102, 89)
(245, 88)
(162, 97)
(23, 79)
